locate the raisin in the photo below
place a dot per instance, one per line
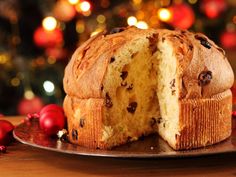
(204, 78)
(203, 41)
(153, 121)
(134, 54)
(130, 87)
(172, 83)
(129, 139)
(163, 39)
(153, 42)
(132, 107)
(124, 74)
(159, 120)
(173, 92)
(81, 122)
(74, 134)
(108, 101)
(117, 30)
(112, 59)
(190, 47)
(183, 31)
(102, 88)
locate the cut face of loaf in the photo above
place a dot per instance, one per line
(148, 82)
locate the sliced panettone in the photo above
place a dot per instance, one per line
(136, 82)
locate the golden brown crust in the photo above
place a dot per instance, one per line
(85, 72)
(196, 54)
(204, 121)
(84, 121)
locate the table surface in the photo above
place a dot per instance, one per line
(22, 160)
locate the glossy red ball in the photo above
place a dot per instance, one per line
(51, 108)
(51, 122)
(6, 129)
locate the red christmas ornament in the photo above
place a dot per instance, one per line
(6, 129)
(63, 11)
(57, 53)
(51, 108)
(3, 149)
(29, 106)
(182, 16)
(52, 119)
(44, 38)
(228, 39)
(213, 8)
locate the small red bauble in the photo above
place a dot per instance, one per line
(6, 129)
(228, 39)
(213, 8)
(64, 11)
(52, 119)
(182, 16)
(29, 106)
(44, 38)
(51, 108)
(3, 149)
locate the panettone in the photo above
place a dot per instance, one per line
(132, 82)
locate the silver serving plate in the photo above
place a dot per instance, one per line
(149, 147)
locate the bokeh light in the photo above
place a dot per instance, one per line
(85, 6)
(29, 94)
(48, 87)
(101, 18)
(73, 2)
(132, 21)
(142, 25)
(192, 1)
(164, 14)
(49, 23)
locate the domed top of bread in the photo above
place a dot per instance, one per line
(203, 68)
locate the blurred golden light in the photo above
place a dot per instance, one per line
(80, 27)
(192, 1)
(137, 1)
(15, 81)
(132, 20)
(85, 6)
(29, 94)
(4, 58)
(51, 60)
(49, 23)
(101, 18)
(142, 25)
(98, 30)
(73, 2)
(164, 14)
